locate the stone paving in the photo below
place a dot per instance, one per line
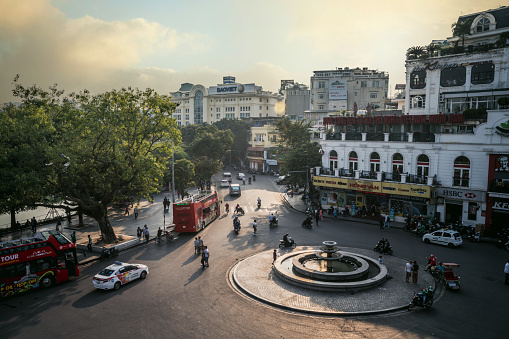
(255, 277)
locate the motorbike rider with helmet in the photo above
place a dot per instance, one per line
(432, 261)
(288, 240)
(259, 202)
(227, 208)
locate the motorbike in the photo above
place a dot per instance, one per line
(330, 211)
(108, 253)
(259, 204)
(307, 223)
(345, 212)
(254, 177)
(418, 298)
(240, 211)
(284, 244)
(249, 180)
(273, 222)
(383, 248)
(473, 236)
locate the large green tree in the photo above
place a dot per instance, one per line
(105, 147)
(240, 130)
(184, 174)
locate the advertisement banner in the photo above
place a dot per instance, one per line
(338, 90)
(364, 186)
(330, 182)
(406, 189)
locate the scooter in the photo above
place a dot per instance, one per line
(307, 223)
(249, 180)
(473, 236)
(259, 204)
(383, 248)
(240, 211)
(418, 298)
(108, 253)
(236, 228)
(254, 177)
(273, 222)
(283, 244)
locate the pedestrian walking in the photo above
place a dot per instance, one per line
(146, 232)
(274, 256)
(34, 225)
(506, 271)
(139, 233)
(415, 272)
(68, 214)
(317, 218)
(408, 270)
(159, 235)
(196, 245)
(89, 245)
(335, 214)
(207, 255)
(73, 237)
(320, 213)
(382, 223)
(387, 220)
(135, 212)
(126, 210)
(255, 227)
(202, 261)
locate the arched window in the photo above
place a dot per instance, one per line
(397, 163)
(483, 25)
(353, 164)
(333, 160)
(418, 102)
(461, 172)
(374, 162)
(423, 165)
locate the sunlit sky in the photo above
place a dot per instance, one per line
(101, 45)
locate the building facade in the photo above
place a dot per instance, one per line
(262, 153)
(229, 100)
(297, 99)
(446, 158)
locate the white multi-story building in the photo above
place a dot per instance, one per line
(447, 158)
(346, 89)
(229, 100)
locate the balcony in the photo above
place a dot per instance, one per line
(499, 186)
(367, 175)
(417, 179)
(424, 137)
(460, 182)
(353, 136)
(396, 177)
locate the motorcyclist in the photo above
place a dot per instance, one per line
(288, 240)
(237, 208)
(236, 223)
(259, 201)
(381, 245)
(254, 177)
(386, 246)
(272, 219)
(249, 179)
(308, 221)
(432, 261)
(227, 208)
(426, 292)
(244, 180)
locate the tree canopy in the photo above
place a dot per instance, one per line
(101, 149)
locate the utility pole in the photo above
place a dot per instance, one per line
(173, 174)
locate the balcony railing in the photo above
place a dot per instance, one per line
(424, 137)
(499, 186)
(417, 179)
(461, 182)
(353, 136)
(375, 137)
(386, 176)
(398, 137)
(367, 175)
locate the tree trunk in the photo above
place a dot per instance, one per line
(13, 218)
(100, 214)
(80, 217)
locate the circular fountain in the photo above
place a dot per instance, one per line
(330, 269)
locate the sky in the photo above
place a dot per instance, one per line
(101, 45)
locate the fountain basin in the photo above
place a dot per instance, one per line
(358, 268)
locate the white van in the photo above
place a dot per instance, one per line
(227, 176)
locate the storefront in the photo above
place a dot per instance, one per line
(396, 199)
(461, 205)
(497, 207)
(271, 166)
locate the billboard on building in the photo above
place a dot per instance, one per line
(232, 89)
(338, 89)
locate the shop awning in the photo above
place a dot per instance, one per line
(256, 149)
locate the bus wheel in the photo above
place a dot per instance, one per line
(46, 281)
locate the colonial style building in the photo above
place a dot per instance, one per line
(447, 157)
(229, 100)
(262, 153)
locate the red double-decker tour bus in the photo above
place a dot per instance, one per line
(195, 213)
(39, 261)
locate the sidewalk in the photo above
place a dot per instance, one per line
(150, 214)
(299, 205)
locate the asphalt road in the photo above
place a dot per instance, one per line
(180, 300)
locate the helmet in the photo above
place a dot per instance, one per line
(440, 262)
(432, 255)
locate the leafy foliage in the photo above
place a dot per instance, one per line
(240, 130)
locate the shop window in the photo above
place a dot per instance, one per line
(483, 74)
(374, 162)
(453, 76)
(461, 172)
(472, 211)
(423, 165)
(333, 160)
(353, 161)
(397, 163)
(418, 79)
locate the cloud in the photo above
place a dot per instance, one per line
(38, 42)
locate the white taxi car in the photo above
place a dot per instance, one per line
(449, 238)
(225, 183)
(118, 274)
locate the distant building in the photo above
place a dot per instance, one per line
(229, 100)
(262, 153)
(296, 98)
(346, 89)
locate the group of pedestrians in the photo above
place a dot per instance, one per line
(201, 249)
(411, 270)
(143, 232)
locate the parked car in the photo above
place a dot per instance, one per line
(118, 274)
(241, 176)
(225, 183)
(235, 189)
(281, 180)
(449, 238)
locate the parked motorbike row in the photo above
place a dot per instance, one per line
(107, 253)
(420, 225)
(503, 239)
